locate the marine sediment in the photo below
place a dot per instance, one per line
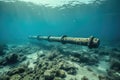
(59, 62)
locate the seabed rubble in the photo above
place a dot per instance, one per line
(58, 62)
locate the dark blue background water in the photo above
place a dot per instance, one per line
(18, 20)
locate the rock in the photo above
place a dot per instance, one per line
(37, 77)
(53, 54)
(49, 75)
(102, 77)
(41, 78)
(69, 68)
(73, 79)
(115, 64)
(84, 58)
(113, 75)
(15, 77)
(104, 53)
(115, 55)
(12, 58)
(84, 78)
(75, 59)
(21, 57)
(16, 71)
(2, 47)
(58, 78)
(41, 55)
(89, 69)
(2, 62)
(4, 77)
(116, 49)
(28, 77)
(76, 55)
(72, 72)
(61, 73)
(114, 71)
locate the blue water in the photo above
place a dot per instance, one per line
(20, 19)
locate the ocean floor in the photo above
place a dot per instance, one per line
(58, 62)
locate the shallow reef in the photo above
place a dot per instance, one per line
(59, 62)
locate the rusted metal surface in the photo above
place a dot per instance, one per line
(91, 42)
